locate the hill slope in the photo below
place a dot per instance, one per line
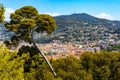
(83, 27)
(79, 27)
(84, 20)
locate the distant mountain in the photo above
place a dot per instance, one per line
(85, 28)
(84, 20)
(78, 27)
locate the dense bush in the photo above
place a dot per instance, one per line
(90, 66)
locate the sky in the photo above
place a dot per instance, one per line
(108, 9)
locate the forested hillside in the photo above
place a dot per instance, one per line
(84, 20)
(90, 66)
(82, 28)
(85, 28)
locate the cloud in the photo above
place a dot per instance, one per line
(7, 13)
(104, 15)
(53, 14)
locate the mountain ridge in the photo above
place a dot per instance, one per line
(85, 28)
(82, 27)
(84, 18)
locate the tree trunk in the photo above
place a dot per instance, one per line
(47, 61)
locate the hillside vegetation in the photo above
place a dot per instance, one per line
(84, 28)
(90, 66)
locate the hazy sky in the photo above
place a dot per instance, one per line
(109, 9)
